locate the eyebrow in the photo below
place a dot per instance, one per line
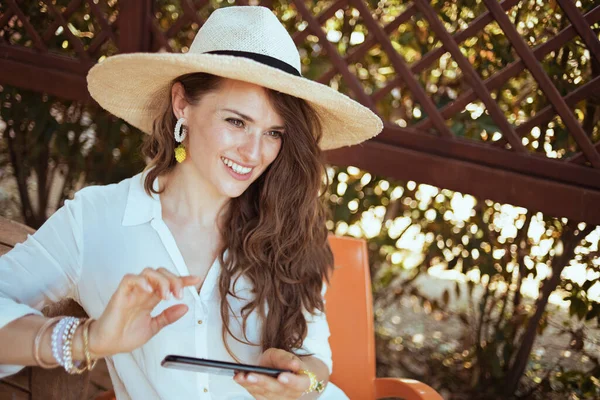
(250, 119)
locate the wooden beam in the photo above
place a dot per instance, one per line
(538, 194)
(134, 32)
(488, 155)
(58, 76)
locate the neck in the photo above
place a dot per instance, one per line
(189, 199)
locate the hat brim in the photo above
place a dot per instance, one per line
(126, 84)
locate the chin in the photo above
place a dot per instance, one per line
(233, 191)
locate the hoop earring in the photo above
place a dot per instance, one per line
(180, 153)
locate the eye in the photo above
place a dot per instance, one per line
(275, 134)
(235, 122)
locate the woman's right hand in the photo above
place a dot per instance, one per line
(126, 323)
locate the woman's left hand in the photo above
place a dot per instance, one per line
(286, 386)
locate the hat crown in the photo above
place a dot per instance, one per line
(252, 29)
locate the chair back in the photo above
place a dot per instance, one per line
(349, 308)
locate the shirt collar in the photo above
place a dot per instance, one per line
(141, 207)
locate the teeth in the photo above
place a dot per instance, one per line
(236, 167)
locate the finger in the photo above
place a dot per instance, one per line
(294, 381)
(178, 282)
(242, 379)
(132, 282)
(279, 358)
(174, 282)
(190, 280)
(264, 384)
(158, 281)
(168, 316)
(294, 363)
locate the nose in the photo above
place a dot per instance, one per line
(250, 147)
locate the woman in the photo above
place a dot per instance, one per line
(218, 249)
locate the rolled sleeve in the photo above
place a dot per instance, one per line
(43, 269)
(317, 338)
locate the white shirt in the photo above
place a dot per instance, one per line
(84, 250)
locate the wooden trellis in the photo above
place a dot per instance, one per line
(428, 151)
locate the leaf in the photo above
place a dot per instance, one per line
(458, 128)
(578, 307)
(486, 122)
(587, 285)
(594, 312)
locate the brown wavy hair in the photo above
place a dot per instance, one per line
(274, 233)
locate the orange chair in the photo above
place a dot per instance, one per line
(349, 308)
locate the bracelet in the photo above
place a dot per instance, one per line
(61, 340)
(37, 341)
(315, 385)
(68, 349)
(62, 344)
(86, 345)
(58, 339)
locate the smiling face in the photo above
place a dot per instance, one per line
(234, 134)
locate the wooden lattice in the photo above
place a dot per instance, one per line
(420, 141)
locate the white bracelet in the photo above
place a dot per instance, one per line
(68, 346)
(57, 339)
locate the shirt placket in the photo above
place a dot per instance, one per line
(200, 309)
(201, 337)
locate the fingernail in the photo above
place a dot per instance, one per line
(283, 378)
(147, 287)
(180, 293)
(252, 378)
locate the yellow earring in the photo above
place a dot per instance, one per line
(180, 153)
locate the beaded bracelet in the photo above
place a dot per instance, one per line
(68, 348)
(58, 338)
(62, 338)
(62, 344)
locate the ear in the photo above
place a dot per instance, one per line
(178, 100)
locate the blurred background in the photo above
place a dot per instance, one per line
(480, 201)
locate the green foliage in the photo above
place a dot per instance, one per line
(499, 250)
(54, 146)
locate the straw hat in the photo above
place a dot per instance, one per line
(245, 43)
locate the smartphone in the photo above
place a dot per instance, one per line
(216, 367)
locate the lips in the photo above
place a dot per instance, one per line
(237, 168)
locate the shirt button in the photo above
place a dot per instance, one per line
(200, 323)
(205, 390)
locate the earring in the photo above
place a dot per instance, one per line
(180, 136)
